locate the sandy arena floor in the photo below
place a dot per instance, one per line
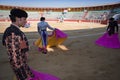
(78, 58)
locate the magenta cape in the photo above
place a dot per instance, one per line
(43, 76)
(56, 38)
(109, 41)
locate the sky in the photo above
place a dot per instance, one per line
(56, 3)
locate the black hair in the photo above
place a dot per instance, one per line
(15, 12)
(42, 18)
(111, 19)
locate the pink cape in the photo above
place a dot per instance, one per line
(60, 34)
(109, 41)
(43, 76)
(56, 38)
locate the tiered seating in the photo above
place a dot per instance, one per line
(52, 15)
(4, 15)
(33, 15)
(116, 10)
(95, 15)
(74, 15)
(68, 15)
(91, 15)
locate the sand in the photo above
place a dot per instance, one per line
(78, 58)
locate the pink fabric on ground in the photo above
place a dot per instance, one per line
(109, 41)
(43, 76)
